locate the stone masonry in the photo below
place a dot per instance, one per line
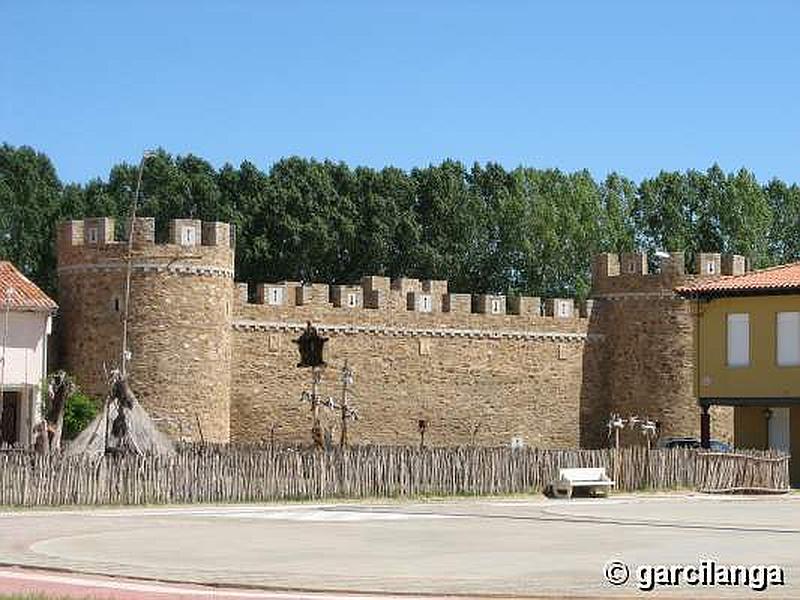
(216, 360)
(180, 319)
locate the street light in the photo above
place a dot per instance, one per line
(126, 355)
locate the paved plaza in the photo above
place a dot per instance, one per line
(503, 547)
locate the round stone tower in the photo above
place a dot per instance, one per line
(179, 320)
(649, 340)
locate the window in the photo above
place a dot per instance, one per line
(495, 306)
(352, 300)
(93, 235)
(787, 332)
(563, 309)
(631, 267)
(188, 236)
(711, 267)
(425, 304)
(275, 296)
(116, 303)
(738, 340)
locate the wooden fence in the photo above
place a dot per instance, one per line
(256, 474)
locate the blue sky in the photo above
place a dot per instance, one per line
(634, 87)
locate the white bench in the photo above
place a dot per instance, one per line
(593, 478)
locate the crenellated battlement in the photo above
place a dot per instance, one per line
(546, 370)
(191, 247)
(406, 295)
(100, 231)
(630, 272)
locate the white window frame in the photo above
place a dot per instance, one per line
(425, 304)
(188, 235)
(275, 296)
(495, 306)
(563, 309)
(711, 267)
(93, 235)
(737, 334)
(787, 339)
(352, 300)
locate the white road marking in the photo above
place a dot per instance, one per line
(328, 516)
(337, 513)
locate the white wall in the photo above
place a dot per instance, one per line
(26, 363)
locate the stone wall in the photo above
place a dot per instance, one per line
(649, 343)
(475, 378)
(484, 369)
(180, 322)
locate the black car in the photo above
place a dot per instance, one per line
(692, 442)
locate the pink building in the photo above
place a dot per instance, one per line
(26, 317)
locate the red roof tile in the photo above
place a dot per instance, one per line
(23, 294)
(775, 280)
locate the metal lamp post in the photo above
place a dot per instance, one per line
(126, 355)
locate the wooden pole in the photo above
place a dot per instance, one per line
(7, 299)
(705, 428)
(345, 410)
(108, 416)
(616, 455)
(199, 428)
(316, 427)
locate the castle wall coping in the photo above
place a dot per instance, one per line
(207, 270)
(289, 326)
(667, 293)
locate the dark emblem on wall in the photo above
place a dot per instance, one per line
(311, 345)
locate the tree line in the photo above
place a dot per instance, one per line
(483, 227)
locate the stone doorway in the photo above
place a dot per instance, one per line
(9, 426)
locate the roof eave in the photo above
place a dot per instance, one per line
(42, 309)
(737, 293)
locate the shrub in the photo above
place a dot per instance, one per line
(78, 413)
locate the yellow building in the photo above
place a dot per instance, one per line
(747, 338)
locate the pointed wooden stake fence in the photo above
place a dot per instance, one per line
(258, 474)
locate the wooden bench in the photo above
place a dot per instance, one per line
(595, 479)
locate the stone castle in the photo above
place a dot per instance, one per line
(215, 360)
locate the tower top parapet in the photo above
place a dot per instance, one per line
(631, 271)
(191, 245)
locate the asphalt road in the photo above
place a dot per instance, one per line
(535, 548)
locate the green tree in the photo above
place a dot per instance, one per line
(29, 195)
(618, 198)
(453, 222)
(662, 216)
(496, 265)
(302, 225)
(485, 229)
(388, 234)
(564, 226)
(784, 233)
(746, 218)
(172, 187)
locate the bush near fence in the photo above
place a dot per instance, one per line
(261, 474)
